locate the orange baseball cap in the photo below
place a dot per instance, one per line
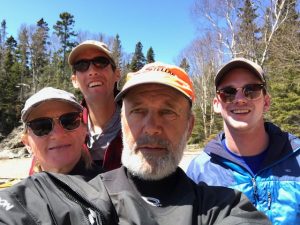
(160, 73)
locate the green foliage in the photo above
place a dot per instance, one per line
(150, 55)
(285, 107)
(247, 36)
(117, 51)
(64, 29)
(184, 64)
(138, 59)
(9, 107)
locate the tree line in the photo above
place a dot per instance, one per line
(37, 58)
(264, 31)
(267, 32)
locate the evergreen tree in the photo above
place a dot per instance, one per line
(284, 74)
(247, 36)
(24, 58)
(117, 51)
(184, 64)
(138, 59)
(2, 46)
(39, 54)
(64, 29)
(150, 55)
(9, 109)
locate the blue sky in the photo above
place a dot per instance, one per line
(166, 25)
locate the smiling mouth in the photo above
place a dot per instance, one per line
(240, 111)
(95, 84)
(59, 147)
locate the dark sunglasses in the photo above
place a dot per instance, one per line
(250, 91)
(43, 126)
(84, 64)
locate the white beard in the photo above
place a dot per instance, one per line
(148, 166)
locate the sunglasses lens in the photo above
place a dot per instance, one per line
(40, 127)
(227, 94)
(70, 121)
(101, 62)
(250, 91)
(253, 91)
(81, 65)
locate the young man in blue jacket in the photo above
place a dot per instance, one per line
(251, 155)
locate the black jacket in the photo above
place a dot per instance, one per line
(183, 202)
(46, 198)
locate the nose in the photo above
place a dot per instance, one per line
(152, 124)
(57, 129)
(92, 70)
(240, 96)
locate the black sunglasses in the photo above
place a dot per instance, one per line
(84, 64)
(250, 91)
(44, 125)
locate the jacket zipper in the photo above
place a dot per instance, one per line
(89, 212)
(269, 200)
(254, 188)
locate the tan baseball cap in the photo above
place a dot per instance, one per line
(89, 44)
(240, 63)
(160, 73)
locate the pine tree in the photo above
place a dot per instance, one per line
(117, 51)
(138, 59)
(184, 64)
(39, 55)
(64, 29)
(2, 46)
(247, 36)
(150, 55)
(284, 73)
(9, 109)
(24, 58)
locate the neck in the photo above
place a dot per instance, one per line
(247, 143)
(100, 114)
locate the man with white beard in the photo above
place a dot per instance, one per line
(150, 188)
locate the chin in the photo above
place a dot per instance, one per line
(148, 167)
(238, 125)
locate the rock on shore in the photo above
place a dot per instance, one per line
(11, 146)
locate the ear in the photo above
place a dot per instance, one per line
(267, 102)
(74, 81)
(191, 125)
(117, 74)
(217, 105)
(24, 139)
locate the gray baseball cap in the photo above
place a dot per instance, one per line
(240, 63)
(48, 94)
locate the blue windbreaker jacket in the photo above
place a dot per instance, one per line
(274, 189)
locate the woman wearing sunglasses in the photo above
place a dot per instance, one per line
(95, 74)
(251, 155)
(55, 134)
